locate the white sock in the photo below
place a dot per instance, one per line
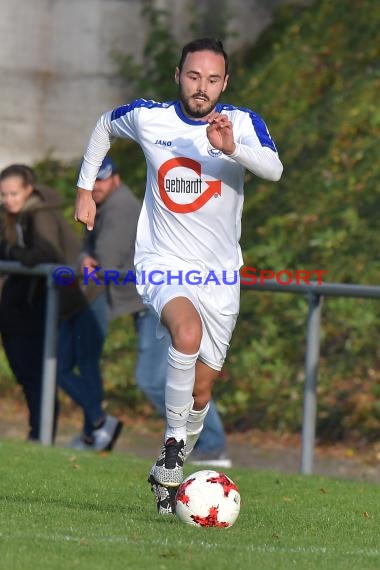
(194, 427)
(179, 392)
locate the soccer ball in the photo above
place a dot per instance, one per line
(208, 498)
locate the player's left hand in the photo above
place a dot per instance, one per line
(220, 133)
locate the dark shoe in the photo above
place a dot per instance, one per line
(164, 496)
(168, 469)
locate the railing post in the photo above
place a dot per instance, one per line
(49, 363)
(310, 387)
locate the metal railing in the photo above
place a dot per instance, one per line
(314, 292)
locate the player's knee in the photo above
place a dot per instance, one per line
(187, 337)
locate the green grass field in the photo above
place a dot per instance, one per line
(61, 510)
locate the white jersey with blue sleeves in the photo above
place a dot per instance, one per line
(194, 193)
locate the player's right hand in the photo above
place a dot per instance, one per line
(220, 133)
(85, 208)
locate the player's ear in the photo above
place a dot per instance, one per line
(225, 82)
(176, 75)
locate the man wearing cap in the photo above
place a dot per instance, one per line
(81, 342)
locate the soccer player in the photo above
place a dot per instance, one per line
(187, 254)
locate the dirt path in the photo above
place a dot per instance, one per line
(253, 449)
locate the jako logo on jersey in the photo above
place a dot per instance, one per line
(181, 186)
(163, 143)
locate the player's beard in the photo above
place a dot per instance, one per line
(196, 109)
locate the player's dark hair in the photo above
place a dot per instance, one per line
(204, 44)
(24, 172)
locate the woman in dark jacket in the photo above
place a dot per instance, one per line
(32, 231)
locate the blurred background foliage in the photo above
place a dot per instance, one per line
(314, 77)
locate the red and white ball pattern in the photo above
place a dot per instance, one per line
(208, 498)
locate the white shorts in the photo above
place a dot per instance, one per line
(217, 305)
